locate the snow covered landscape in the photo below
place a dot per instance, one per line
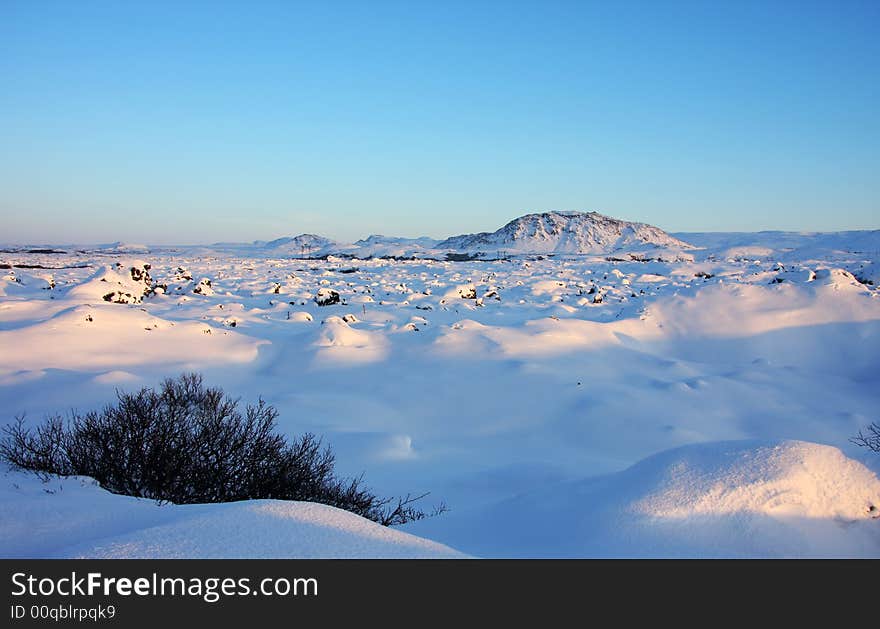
(570, 385)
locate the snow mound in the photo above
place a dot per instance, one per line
(339, 344)
(204, 288)
(464, 291)
(789, 479)
(838, 278)
(108, 337)
(868, 273)
(9, 280)
(336, 332)
(719, 499)
(119, 283)
(73, 517)
(326, 297)
(301, 317)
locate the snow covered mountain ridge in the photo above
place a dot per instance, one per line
(566, 232)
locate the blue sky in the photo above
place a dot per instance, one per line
(187, 122)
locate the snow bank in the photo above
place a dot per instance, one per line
(340, 344)
(721, 499)
(73, 517)
(107, 336)
(121, 283)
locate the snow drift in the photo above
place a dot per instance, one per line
(73, 517)
(721, 499)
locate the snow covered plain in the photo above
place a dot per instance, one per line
(562, 405)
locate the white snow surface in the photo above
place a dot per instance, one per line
(722, 499)
(73, 517)
(692, 402)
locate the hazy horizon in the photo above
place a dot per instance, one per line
(385, 233)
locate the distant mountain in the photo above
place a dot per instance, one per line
(800, 243)
(304, 244)
(377, 240)
(547, 232)
(565, 232)
(119, 247)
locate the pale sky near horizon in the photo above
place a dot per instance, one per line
(196, 122)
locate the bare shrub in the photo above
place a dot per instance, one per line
(869, 437)
(186, 443)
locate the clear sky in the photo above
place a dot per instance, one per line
(194, 122)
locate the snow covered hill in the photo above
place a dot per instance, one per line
(565, 232)
(393, 246)
(722, 499)
(314, 246)
(304, 245)
(73, 517)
